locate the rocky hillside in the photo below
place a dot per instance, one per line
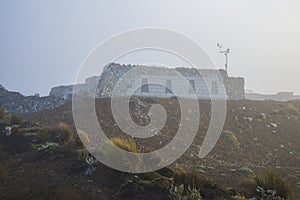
(257, 134)
(14, 102)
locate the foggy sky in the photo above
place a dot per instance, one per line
(43, 43)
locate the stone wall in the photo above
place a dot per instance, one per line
(235, 88)
(14, 102)
(280, 96)
(113, 72)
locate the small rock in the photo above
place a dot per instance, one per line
(263, 116)
(269, 154)
(274, 125)
(246, 170)
(232, 170)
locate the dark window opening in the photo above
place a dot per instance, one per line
(145, 86)
(192, 88)
(168, 88)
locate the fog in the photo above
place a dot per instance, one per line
(44, 43)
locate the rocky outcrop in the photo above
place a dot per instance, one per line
(14, 102)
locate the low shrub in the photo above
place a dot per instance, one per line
(61, 134)
(82, 154)
(269, 180)
(16, 119)
(15, 130)
(82, 138)
(126, 144)
(290, 108)
(232, 139)
(177, 193)
(208, 188)
(111, 149)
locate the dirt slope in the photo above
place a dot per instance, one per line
(256, 134)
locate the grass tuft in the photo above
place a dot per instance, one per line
(268, 179)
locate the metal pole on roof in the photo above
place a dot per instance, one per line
(225, 52)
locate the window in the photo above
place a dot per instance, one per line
(145, 86)
(214, 87)
(192, 88)
(168, 88)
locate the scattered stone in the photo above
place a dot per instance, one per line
(232, 170)
(263, 116)
(8, 131)
(44, 147)
(274, 125)
(246, 170)
(274, 132)
(282, 146)
(269, 154)
(250, 119)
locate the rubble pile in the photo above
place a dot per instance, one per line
(14, 102)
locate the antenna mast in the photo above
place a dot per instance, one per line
(225, 52)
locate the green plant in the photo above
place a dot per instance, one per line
(268, 179)
(16, 119)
